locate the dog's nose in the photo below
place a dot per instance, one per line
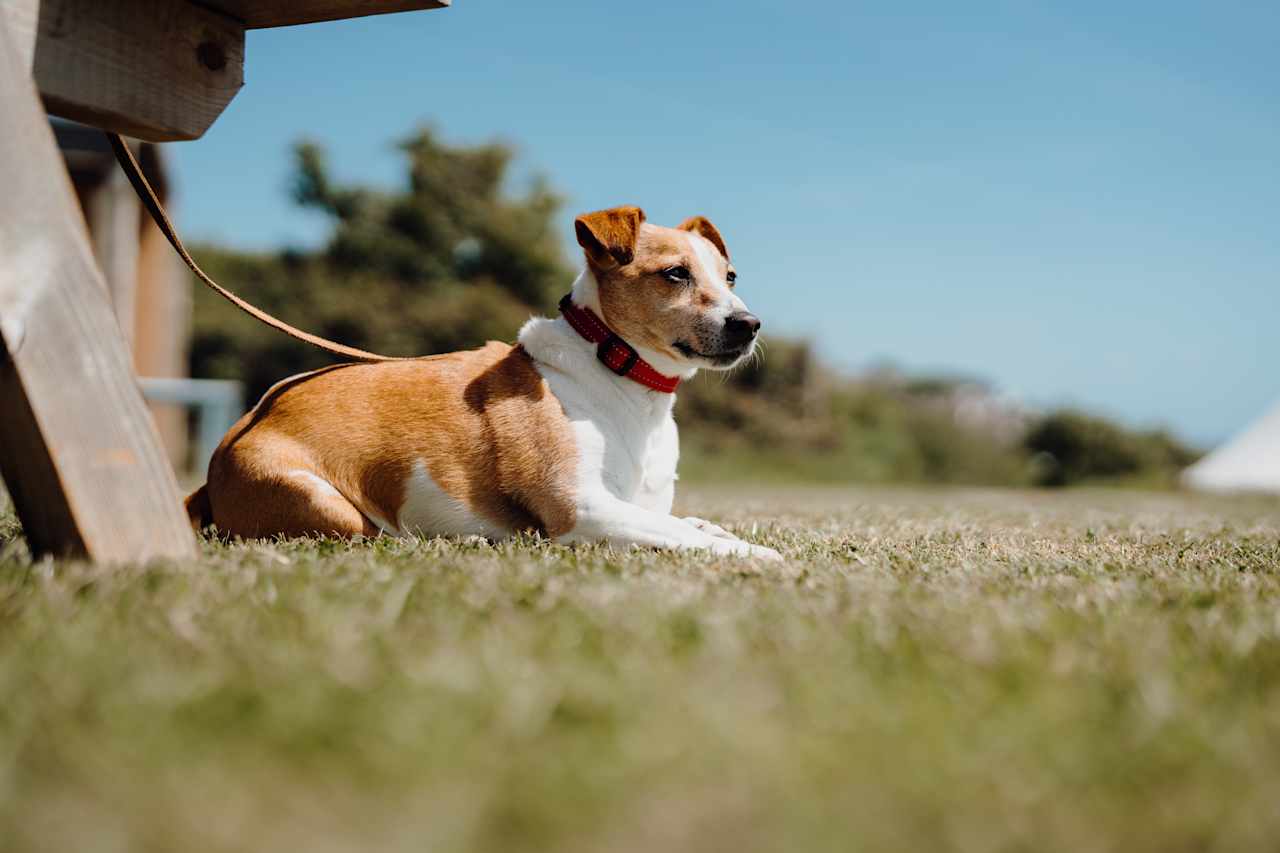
(741, 326)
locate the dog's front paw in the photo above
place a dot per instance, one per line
(764, 552)
(709, 528)
(738, 548)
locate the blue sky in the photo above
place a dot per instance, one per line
(1076, 201)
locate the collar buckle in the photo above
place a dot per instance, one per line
(612, 351)
(610, 345)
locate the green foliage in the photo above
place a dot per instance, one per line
(447, 262)
(787, 419)
(1074, 447)
(784, 417)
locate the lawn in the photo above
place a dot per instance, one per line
(928, 670)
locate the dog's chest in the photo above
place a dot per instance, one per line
(631, 453)
(626, 444)
(657, 471)
(638, 460)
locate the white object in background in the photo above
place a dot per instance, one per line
(1250, 462)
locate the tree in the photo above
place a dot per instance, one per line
(449, 261)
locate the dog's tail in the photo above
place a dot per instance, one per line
(199, 510)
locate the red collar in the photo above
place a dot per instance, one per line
(615, 353)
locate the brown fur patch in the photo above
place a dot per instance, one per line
(609, 236)
(483, 421)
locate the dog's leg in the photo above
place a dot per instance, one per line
(290, 502)
(617, 522)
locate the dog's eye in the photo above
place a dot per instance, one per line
(731, 277)
(678, 274)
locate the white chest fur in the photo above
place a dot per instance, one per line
(626, 437)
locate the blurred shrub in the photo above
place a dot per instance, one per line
(1072, 447)
(787, 418)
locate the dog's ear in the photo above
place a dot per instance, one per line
(702, 225)
(609, 236)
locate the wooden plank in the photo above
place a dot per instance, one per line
(152, 69)
(78, 453)
(257, 14)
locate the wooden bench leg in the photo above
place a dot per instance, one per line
(78, 451)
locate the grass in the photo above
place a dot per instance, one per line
(959, 670)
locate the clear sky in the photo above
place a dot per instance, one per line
(1076, 201)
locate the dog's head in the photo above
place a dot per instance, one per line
(669, 290)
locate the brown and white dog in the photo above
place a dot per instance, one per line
(568, 432)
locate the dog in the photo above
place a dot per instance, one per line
(568, 432)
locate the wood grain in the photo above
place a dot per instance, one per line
(152, 69)
(282, 13)
(78, 451)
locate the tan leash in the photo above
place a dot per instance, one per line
(149, 200)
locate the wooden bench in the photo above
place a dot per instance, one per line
(79, 454)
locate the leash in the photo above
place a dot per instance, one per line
(149, 200)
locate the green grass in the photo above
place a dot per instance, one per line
(929, 670)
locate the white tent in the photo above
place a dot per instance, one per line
(1250, 462)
